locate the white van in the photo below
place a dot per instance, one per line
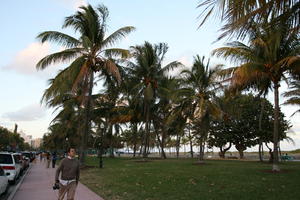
(11, 166)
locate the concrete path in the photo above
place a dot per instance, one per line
(37, 185)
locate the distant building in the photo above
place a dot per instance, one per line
(36, 143)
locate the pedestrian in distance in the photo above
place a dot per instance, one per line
(41, 156)
(54, 158)
(69, 170)
(48, 159)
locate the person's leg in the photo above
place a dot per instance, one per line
(71, 190)
(62, 191)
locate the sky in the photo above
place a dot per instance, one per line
(174, 22)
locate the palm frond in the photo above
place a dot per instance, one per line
(112, 69)
(59, 38)
(117, 52)
(62, 56)
(171, 66)
(117, 35)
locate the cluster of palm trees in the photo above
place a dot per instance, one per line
(272, 53)
(138, 92)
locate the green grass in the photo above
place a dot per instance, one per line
(126, 179)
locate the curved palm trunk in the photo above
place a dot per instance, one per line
(270, 153)
(161, 143)
(223, 150)
(87, 121)
(275, 134)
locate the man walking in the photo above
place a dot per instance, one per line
(69, 168)
(54, 158)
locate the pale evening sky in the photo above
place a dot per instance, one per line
(172, 21)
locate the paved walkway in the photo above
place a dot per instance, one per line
(37, 185)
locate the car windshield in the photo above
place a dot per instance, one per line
(6, 159)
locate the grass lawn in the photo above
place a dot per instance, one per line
(127, 179)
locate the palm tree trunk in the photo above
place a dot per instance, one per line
(135, 130)
(161, 143)
(177, 145)
(191, 143)
(260, 130)
(146, 139)
(276, 121)
(87, 121)
(260, 151)
(110, 137)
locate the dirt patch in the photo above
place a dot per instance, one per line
(200, 163)
(87, 167)
(142, 161)
(282, 171)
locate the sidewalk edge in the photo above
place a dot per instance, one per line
(11, 196)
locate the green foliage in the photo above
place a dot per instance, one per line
(11, 141)
(295, 151)
(240, 125)
(128, 179)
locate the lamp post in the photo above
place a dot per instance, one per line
(67, 146)
(101, 146)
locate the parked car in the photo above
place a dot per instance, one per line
(3, 181)
(22, 160)
(29, 155)
(11, 166)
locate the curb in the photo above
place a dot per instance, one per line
(11, 196)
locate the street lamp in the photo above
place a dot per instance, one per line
(101, 145)
(67, 145)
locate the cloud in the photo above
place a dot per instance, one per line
(24, 62)
(28, 113)
(186, 60)
(73, 4)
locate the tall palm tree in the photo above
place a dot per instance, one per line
(147, 71)
(271, 57)
(88, 54)
(199, 88)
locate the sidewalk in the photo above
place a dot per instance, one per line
(37, 185)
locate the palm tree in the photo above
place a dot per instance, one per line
(88, 54)
(271, 56)
(146, 73)
(238, 16)
(293, 94)
(164, 123)
(199, 88)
